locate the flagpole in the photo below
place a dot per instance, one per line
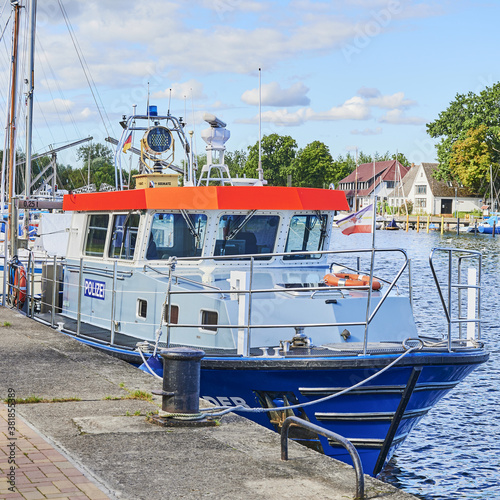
(368, 301)
(374, 208)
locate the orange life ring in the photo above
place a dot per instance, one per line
(20, 286)
(347, 280)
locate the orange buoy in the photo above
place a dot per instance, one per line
(20, 286)
(351, 280)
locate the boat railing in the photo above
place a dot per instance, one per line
(242, 288)
(462, 309)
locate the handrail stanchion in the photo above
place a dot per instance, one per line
(250, 280)
(358, 467)
(79, 310)
(113, 302)
(169, 306)
(449, 297)
(54, 290)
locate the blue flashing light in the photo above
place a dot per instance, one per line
(153, 111)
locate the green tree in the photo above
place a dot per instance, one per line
(278, 153)
(467, 113)
(342, 167)
(236, 160)
(312, 167)
(470, 158)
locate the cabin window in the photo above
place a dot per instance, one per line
(246, 234)
(96, 235)
(142, 308)
(306, 234)
(124, 236)
(179, 235)
(174, 312)
(209, 319)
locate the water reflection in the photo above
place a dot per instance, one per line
(455, 450)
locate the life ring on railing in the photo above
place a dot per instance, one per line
(19, 286)
(347, 280)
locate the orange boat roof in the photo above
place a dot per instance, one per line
(209, 198)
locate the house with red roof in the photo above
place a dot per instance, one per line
(379, 178)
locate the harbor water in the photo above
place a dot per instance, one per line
(454, 453)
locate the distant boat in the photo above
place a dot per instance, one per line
(392, 225)
(489, 225)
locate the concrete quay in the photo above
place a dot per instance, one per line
(86, 438)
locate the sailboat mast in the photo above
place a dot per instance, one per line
(29, 96)
(12, 129)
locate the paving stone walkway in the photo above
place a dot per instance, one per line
(40, 471)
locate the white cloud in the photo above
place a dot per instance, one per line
(190, 89)
(367, 131)
(393, 101)
(397, 117)
(273, 95)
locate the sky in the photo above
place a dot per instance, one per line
(358, 74)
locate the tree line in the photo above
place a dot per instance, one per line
(468, 153)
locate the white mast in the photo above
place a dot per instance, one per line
(259, 170)
(29, 95)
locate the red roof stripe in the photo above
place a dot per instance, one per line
(210, 198)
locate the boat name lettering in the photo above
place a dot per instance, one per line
(226, 401)
(95, 289)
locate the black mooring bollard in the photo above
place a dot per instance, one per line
(181, 379)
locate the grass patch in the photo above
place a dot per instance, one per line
(138, 394)
(6, 323)
(36, 399)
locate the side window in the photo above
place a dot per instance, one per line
(179, 235)
(306, 234)
(241, 234)
(96, 235)
(124, 236)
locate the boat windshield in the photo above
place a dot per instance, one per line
(124, 236)
(306, 234)
(96, 235)
(176, 234)
(246, 234)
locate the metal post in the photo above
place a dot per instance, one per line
(250, 279)
(54, 290)
(4, 283)
(28, 285)
(113, 301)
(79, 310)
(32, 289)
(368, 301)
(169, 307)
(410, 285)
(449, 299)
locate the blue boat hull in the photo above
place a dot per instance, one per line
(376, 417)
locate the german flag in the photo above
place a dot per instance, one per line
(128, 143)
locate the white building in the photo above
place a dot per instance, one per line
(430, 196)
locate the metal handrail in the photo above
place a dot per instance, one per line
(447, 305)
(358, 467)
(251, 291)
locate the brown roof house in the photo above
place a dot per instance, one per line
(381, 177)
(430, 196)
